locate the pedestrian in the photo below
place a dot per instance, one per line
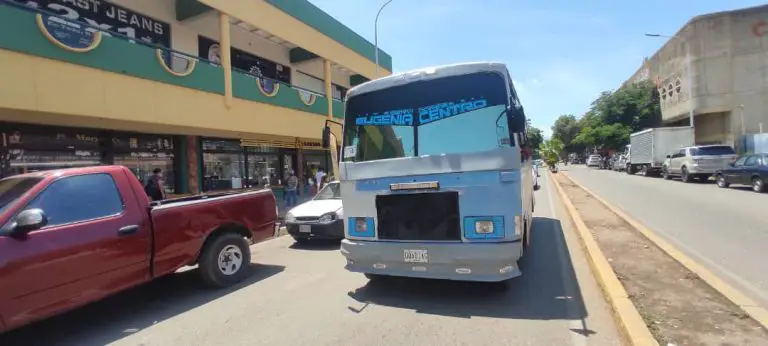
(155, 187)
(319, 178)
(291, 186)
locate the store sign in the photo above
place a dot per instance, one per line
(257, 66)
(69, 34)
(107, 17)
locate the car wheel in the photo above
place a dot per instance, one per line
(758, 185)
(721, 182)
(225, 260)
(684, 176)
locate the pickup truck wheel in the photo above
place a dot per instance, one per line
(225, 261)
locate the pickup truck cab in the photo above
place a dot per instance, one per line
(70, 237)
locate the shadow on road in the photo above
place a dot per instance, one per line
(544, 292)
(129, 312)
(317, 245)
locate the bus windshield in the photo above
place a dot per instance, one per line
(449, 115)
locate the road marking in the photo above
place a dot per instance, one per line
(627, 317)
(577, 339)
(746, 304)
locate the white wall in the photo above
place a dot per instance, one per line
(184, 38)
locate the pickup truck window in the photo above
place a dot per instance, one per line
(13, 188)
(79, 198)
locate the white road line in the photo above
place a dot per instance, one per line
(577, 339)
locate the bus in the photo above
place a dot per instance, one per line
(436, 175)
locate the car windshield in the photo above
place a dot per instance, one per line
(449, 115)
(13, 188)
(714, 150)
(330, 191)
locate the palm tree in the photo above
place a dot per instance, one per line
(550, 151)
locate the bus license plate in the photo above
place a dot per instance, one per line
(305, 228)
(415, 256)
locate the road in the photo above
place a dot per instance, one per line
(303, 296)
(725, 230)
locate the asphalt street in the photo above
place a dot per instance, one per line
(301, 295)
(726, 230)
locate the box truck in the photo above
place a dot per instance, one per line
(648, 148)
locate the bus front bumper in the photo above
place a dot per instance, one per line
(490, 262)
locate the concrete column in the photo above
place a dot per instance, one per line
(226, 57)
(329, 97)
(193, 168)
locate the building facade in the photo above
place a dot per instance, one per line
(219, 94)
(728, 54)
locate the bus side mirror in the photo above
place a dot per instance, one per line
(517, 121)
(326, 137)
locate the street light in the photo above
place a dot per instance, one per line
(690, 73)
(376, 35)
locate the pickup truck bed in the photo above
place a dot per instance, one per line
(71, 237)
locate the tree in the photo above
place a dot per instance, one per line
(565, 129)
(613, 116)
(550, 151)
(535, 137)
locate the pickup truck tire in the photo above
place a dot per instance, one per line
(225, 261)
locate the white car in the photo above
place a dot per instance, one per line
(322, 217)
(593, 161)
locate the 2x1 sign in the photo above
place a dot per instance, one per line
(68, 34)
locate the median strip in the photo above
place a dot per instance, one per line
(641, 275)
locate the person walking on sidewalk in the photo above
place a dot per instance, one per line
(155, 185)
(291, 186)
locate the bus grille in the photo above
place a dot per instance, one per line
(419, 216)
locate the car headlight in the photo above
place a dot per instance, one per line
(289, 217)
(340, 213)
(327, 218)
(484, 226)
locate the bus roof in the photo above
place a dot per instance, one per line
(428, 73)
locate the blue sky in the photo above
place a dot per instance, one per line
(561, 53)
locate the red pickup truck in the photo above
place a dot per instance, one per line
(70, 237)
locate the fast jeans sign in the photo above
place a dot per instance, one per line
(108, 17)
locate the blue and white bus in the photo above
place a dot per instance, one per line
(435, 178)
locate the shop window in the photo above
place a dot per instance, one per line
(142, 154)
(263, 170)
(223, 171)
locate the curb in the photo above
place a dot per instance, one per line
(631, 324)
(755, 311)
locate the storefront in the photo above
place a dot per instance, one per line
(229, 164)
(29, 148)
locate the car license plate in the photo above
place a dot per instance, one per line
(305, 228)
(416, 256)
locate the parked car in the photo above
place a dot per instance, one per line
(74, 236)
(701, 161)
(536, 165)
(749, 169)
(322, 217)
(620, 163)
(594, 161)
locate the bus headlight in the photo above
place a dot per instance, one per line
(484, 226)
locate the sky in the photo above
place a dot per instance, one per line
(561, 53)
